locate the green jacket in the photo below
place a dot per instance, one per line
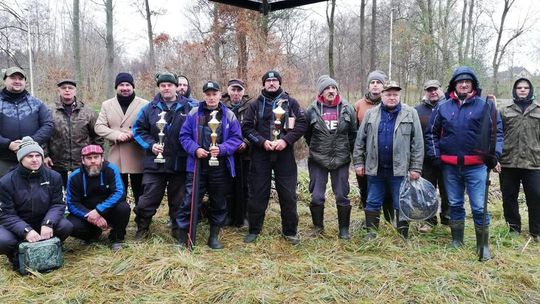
(71, 134)
(408, 150)
(330, 150)
(521, 131)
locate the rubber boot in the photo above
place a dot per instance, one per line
(317, 215)
(402, 226)
(143, 226)
(388, 209)
(482, 241)
(372, 224)
(182, 238)
(344, 220)
(458, 230)
(213, 239)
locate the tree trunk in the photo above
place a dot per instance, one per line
(373, 35)
(500, 49)
(469, 27)
(241, 39)
(77, 43)
(109, 43)
(150, 36)
(462, 32)
(330, 20)
(361, 67)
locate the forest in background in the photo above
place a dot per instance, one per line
(77, 39)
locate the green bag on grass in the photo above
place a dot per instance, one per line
(40, 256)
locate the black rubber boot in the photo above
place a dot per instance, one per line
(388, 210)
(402, 227)
(213, 239)
(317, 215)
(182, 238)
(458, 230)
(143, 226)
(482, 242)
(344, 220)
(372, 224)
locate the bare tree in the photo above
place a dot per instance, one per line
(109, 44)
(469, 27)
(150, 35)
(373, 35)
(462, 32)
(362, 41)
(330, 20)
(77, 41)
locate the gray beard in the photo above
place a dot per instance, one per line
(94, 171)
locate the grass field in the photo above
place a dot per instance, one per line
(319, 270)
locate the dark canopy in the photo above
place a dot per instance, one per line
(265, 6)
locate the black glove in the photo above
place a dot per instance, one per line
(490, 161)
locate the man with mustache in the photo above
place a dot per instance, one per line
(330, 135)
(184, 89)
(277, 156)
(96, 199)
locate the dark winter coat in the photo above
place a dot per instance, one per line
(145, 133)
(30, 199)
(102, 192)
(25, 116)
(331, 150)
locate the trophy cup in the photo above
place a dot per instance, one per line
(278, 113)
(160, 124)
(213, 124)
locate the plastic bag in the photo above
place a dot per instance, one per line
(417, 200)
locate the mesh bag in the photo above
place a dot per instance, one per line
(417, 200)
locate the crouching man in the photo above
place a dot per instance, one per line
(96, 199)
(31, 204)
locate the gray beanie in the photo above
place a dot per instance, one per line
(376, 75)
(28, 145)
(324, 82)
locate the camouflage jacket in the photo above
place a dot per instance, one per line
(71, 134)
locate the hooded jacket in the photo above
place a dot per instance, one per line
(20, 117)
(465, 132)
(30, 199)
(521, 132)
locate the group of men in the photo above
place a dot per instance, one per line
(231, 147)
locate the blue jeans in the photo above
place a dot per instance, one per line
(456, 179)
(378, 186)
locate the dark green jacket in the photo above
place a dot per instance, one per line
(331, 150)
(521, 131)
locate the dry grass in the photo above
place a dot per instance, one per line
(319, 270)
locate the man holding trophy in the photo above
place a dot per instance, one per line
(156, 130)
(210, 137)
(273, 123)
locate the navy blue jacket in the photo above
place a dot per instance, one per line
(102, 192)
(461, 133)
(30, 199)
(145, 133)
(24, 116)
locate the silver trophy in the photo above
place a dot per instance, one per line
(160, 124)
(213, 124)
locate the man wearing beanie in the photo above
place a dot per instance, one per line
(464, 139)
(21, 114)
(114, 123)
(372, 98)
(238, 102)
(96, 199)
(41, 219)
(330, 135)
(389, 147)
(170, 175)
(184, 89)
(73, 129)
(269, 155)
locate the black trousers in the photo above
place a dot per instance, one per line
(434, 176)
(387, 207)
(135, 181)
(117, 218)
(510, 179)
(9, 241)
(154, 186)
(216, 182)
(284, 167)
(238, 197)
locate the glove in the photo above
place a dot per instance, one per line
(490, 161)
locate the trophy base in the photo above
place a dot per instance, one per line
(159, 160)
(213, 162)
